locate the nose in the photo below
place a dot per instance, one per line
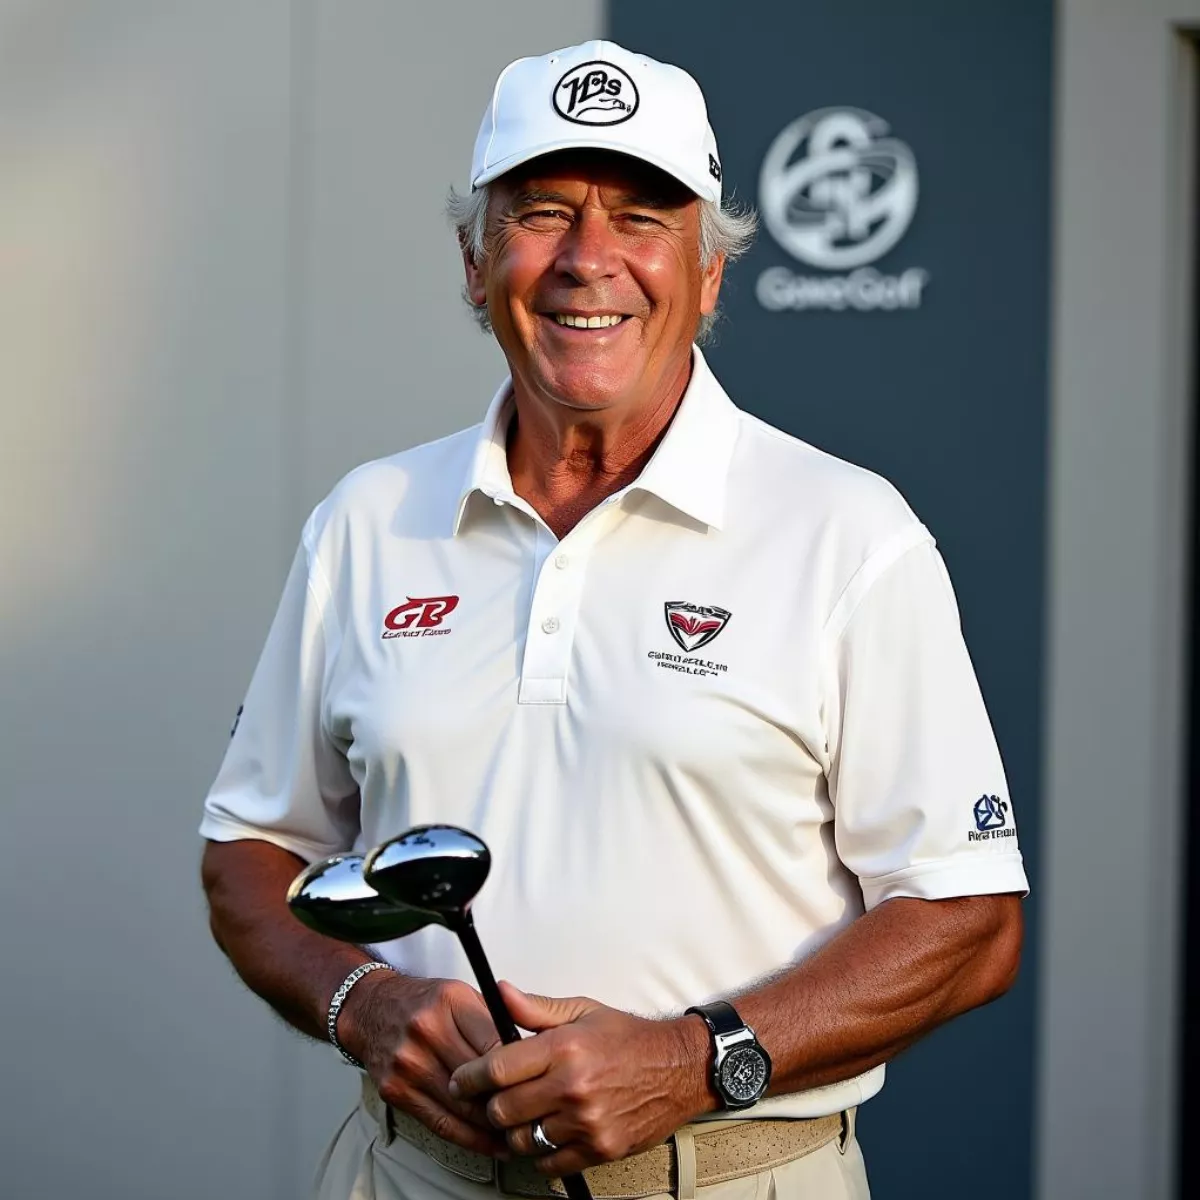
(588, 250)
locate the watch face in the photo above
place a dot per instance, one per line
(744, 1074)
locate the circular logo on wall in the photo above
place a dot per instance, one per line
(595, 93)
(835, 191)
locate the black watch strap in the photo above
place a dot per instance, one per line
(720, 1016)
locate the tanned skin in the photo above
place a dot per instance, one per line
(888, 979)
(410, 1033)
(589, 233)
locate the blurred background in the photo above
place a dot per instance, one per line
(225, 279)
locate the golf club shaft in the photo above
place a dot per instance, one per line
(575, 1185)
(505, 1026)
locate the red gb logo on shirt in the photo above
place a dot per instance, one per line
(419, 616)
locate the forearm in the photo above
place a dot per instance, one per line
(409, 1032)
(885, 981)
(295, 970)
(891, 976)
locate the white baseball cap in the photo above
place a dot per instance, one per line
(599, 96)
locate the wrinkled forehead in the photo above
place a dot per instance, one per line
(572, 171)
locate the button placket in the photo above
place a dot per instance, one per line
(560, 573)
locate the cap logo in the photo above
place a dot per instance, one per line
(595, 93)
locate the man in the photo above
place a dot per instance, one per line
(700, 687)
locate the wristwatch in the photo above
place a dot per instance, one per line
(741, 1068)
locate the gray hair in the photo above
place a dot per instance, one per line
(727, 228)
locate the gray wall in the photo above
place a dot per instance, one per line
(1125, 212)
(224, 279)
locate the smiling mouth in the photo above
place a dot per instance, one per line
(600, 321)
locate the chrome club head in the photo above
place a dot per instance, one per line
(439, 868)
(332, 897)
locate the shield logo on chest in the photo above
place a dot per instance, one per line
(694, 625)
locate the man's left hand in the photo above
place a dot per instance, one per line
(604, 1083)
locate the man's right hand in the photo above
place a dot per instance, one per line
(412, 1035)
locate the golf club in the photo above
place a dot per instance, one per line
(332, 898)
(440, 868)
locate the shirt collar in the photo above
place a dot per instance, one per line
(689, 470)
(488, 473)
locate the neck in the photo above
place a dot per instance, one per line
(563, 461)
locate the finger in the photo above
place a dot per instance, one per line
(520, 1139)
(452, 1128)
(535, 1013)
(471, 1110)
(453, 1050)
(475, 1024)
(426, 1070)
(524, 1103)
(502, 1067)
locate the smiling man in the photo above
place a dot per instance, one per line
(589, 271)
(701, 687)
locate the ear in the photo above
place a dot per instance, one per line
(476, 284)
(710, 284)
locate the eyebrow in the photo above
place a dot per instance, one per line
(536, 196)
(649, 200)
(529, 196)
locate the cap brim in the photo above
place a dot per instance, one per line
(705, 188)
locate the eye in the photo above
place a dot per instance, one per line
(643, 219)
(545, 218)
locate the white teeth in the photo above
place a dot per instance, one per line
(588, 322)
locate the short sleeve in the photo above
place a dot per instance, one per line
(283, 779)
(921, 805)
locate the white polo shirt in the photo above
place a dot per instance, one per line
(703, 732)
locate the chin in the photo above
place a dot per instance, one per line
(589, 388)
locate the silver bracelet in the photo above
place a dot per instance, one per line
(339, 998)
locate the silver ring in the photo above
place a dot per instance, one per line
(541, 1141)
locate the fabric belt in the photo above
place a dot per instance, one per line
(697, 1155)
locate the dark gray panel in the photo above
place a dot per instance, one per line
(948, 400)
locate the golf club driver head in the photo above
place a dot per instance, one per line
(332, 897)
(439, 868)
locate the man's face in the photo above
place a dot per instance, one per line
(577, 236)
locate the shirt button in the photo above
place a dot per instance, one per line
(562, 561)
(550, 625)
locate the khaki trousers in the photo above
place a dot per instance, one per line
(366, 1162)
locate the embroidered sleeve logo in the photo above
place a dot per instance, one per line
(991, 820)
